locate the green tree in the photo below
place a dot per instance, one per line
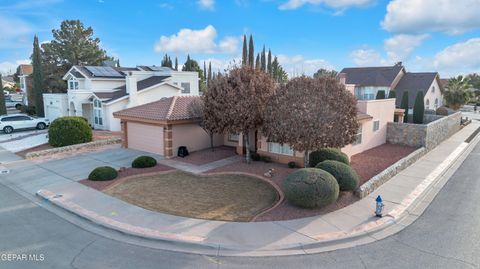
(251, 52)
(192, 65)
(325, 73)
(209, 77)
(418, 108)
(257, 62)
(167, 61)
(37, 78)
(269, 63)
(458, 92)
(392, 94)
(204, 72)
(278, 74)
(404, 105)
(72, 44)
(380, 94)
(263, 60)
(176, 63)
(244, 51)
(3, 108)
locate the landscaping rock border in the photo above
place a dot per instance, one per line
(376, 181)
(89, 145)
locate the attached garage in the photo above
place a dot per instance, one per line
(163, 126)
(55, 105)
(145, 137)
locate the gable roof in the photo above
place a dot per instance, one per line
(413, 83)
(122, 90)
(382, 76)
(26, 69)
(165, 109)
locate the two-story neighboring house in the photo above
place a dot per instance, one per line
(367, 81)
(24, 71)
(96, 92)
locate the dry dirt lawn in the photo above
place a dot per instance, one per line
(215, 197)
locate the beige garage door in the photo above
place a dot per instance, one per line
(145, 137)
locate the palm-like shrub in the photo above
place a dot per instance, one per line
(324, 154)
(346, 177)
(458, 92)
(144, 162)
(67, 131)
(310, 188)
(103, 173)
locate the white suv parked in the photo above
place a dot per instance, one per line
(9, 123)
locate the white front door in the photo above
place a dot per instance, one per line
(98, 121)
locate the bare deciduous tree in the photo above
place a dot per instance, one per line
(235, 102)
(311, 113)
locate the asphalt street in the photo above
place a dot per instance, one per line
(447, 235)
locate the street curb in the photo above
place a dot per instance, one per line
(393, 222)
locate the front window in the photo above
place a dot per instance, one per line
(433, 89)
(436, 103)
(427, 104)
(278, 148)
(358, 136)
(233, 137)
(185, 87)
(97, 112)
(72, 84)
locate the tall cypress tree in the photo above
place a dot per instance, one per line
(209, 78)
(3, 108)
(176, 63)
(263, 60)
(37, 78)
(204, 72)
(251, 52)
(257, 62)
(244, 51)
(269, 62)
(404, 105)
(418, 108)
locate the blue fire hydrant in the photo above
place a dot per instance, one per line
(379, 208)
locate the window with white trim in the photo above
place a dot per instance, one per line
(97, 112)
(358, 136)
(427, 104)
(376, 125)
(433, 89)
(233, 137)
(436, 103)
(185, 87)
(72, 84)
(278, 148)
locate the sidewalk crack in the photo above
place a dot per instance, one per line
(80, 253)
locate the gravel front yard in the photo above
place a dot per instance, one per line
(214, 197)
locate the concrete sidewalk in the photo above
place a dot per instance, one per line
(406, 196)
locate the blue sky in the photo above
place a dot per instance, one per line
(427, 35)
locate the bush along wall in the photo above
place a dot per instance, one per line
(324, 154)
(380, 94)
(66, 131)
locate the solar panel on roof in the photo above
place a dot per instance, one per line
(103, 71)
(159, 68)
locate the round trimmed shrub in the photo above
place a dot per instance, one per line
(324, 154)
(103, 173)
(310, 188)
(346, 177)
(442, 111)
(292, 164)
(144, 162)
(66, 131)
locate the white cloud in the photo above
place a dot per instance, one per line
(420, 16)
(400, 47)
(206, 4)
(336, 4)
(459, 58)
(7, 68)
(367, 57)
(220, 65)
(14, 32)
(197, 41)
(298, 65)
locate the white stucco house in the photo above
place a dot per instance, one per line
(96, 92)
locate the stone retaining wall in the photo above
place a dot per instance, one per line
(89, 145)
(376, 181)
(424, 135)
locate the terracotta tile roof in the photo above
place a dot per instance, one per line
(165, 109)
(26, 69)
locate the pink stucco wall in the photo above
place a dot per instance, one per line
(192, 136)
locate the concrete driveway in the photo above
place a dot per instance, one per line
(78, 167)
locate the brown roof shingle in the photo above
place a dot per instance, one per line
(165, 109)
(26, 69)
(382, 76)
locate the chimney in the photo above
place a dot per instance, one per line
(343, 78)
(131, 87)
